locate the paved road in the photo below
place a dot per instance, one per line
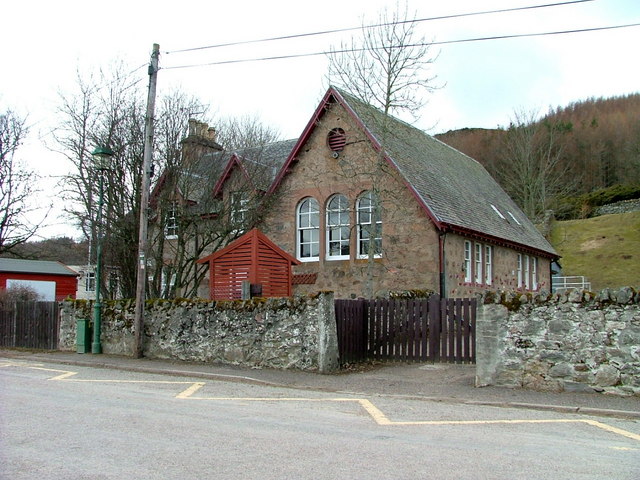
(61, 422)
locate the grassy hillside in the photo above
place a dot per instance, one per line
(604, 249)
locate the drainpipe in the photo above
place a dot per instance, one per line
(441, 240)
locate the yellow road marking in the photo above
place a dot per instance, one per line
(191, 390)
(374, 412)
(611, 429)
(66, 374)
(381, 419)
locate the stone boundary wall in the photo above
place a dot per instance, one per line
(575, 341)
(298, 333)
(623, 206)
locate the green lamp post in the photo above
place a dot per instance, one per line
(101, 159)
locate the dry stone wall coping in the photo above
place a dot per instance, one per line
(297, 332)
(571, 341)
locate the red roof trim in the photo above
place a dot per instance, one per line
(499, 241)
(233, 161)
(306, 133)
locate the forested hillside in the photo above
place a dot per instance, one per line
(62, 249)
(571, 151)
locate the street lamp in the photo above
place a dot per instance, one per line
(101, 160)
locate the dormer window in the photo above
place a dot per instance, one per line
(336, 140)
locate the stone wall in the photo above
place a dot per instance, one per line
(576, 341)
(623, 206)
(297, 333)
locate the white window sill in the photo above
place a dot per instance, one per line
(309, 259)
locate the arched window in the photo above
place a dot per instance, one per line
(308, 230)
(338, 228)
(369, 225)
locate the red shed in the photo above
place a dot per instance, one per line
(251, 258)
(52, 280)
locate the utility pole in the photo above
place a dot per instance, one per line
(144, 202)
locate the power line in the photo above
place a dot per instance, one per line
(444, 42)
(339, 30)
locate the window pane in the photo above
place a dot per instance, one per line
(308, 228)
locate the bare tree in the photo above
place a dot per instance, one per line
(189, 221)
(387, 66)
(17, 185)
(246, 131)
(532, 167)
(105, 110)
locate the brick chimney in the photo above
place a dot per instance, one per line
(202, 135)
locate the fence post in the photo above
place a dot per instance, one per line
(490, 319)
(328, 361)
(434, 327)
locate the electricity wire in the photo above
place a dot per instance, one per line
(340, 30)
(444, 42)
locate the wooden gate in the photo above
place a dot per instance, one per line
(29, 325)
(410, 330)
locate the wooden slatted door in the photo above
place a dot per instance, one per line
(29, 325)
(410, 330)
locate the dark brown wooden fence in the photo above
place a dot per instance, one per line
(29, 325)
(410, 330)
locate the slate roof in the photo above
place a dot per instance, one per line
(13, 265)
(201, 179)
(456, 189)
(261, 164)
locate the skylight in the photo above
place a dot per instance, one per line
(498, 212)
(514, 218)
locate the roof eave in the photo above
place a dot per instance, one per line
(500, 241)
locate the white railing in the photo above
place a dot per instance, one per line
(559, 284)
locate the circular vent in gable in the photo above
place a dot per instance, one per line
(336, 140)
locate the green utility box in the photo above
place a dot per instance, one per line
(83, 336)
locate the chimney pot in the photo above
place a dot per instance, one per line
(192, 126)
(212, 133)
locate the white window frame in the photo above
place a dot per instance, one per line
(337, 223)
(527, 273)
(167, 286)
(373, 228)
(239, 208)
(171, 222)
(478, 262)
(520, 283)
(308, 221)
(90, 281)
(467, 262)
(534, 273)
(488, 265)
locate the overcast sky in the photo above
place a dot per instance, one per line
(483, 82)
